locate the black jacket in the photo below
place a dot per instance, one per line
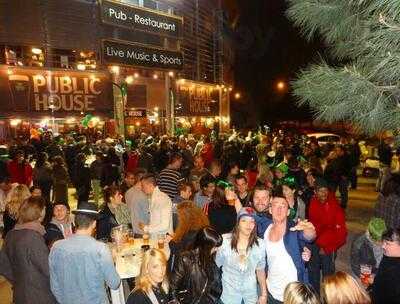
(189, 275)
(140, 297)
(105, 223)
(362, 253)
(386, 287)
(176, 248)
(53, 233)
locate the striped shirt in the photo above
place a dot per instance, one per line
(168, 181)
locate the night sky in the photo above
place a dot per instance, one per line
(268, 49)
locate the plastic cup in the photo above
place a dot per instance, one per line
(146, 239)
(161, 241)
(365, 273)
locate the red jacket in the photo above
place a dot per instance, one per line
(207, 153)
(329, 221)
(20, 173)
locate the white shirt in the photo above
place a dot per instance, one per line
(160, 213)
(281, 269)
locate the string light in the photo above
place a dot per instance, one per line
(81, 66)
(115, 69)
(129, 79)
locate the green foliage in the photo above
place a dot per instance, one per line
(366, 35)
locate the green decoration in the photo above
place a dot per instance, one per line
(124, 89)
(290, 181)
(224, 184)
(85, 121)
(283, 167)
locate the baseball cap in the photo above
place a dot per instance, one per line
(247, 211)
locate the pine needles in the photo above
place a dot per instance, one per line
(365, 34)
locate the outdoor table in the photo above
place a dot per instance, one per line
(128, 261)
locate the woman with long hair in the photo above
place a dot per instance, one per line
(297, 207)
(300, 293)
(242, 258)
(16, 196)
(342, 288)
(221, 212)
(196, 273)
(113, 213)
(152, 284)
(191, 219)
(24, 256)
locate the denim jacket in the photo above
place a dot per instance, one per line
(80, 267)
(237, 280)
(294, 242)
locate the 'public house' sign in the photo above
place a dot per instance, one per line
(28, 91)
(141, 19)
(137, 55)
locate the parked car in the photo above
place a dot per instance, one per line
(325, 138)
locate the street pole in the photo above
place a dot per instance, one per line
(169, 105)
(119, 105)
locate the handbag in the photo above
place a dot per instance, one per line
(184, 296)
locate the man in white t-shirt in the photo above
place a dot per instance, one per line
(286, 252)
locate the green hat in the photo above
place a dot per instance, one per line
(290, 181)
(376, 228)
(283, 167)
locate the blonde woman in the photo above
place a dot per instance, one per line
(152, 284)
(342, 288)
(300, 293)
(14, 200)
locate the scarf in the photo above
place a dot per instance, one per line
(35, 226)
(66, 228)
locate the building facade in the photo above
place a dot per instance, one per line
(134, 63)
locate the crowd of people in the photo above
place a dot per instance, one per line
(247, 219)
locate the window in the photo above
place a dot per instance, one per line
(133, 2)
(150, 4)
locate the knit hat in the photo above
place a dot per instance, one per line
(376, 228)
(320, 183)
(247, 211)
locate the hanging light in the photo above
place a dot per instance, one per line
(36, 51)
(171, 74)
(15, 122)
(155, 76)
(136, 75)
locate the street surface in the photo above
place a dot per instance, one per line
(358, 213)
